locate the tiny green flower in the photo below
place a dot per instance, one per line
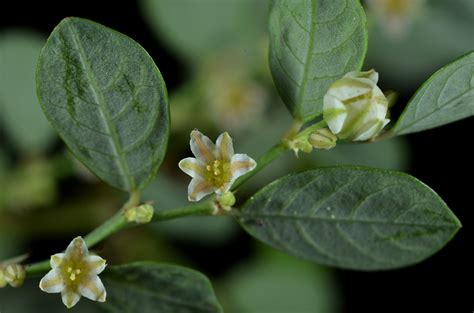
(215, 167)
(75, 274)
(355, 108)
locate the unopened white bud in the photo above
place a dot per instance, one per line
(323, 138)
(14, 275)
(354, 106)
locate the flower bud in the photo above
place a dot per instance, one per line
(141, 214)
(3, 282)
(355, 108)
(323, 138)
(227, 199)
(14, 274)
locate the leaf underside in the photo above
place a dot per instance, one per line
(445, 97)
(106, 98)
(148, 287)
(351, 217)
(312, 44)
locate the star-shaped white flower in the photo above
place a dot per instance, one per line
(215, 167)
(75, 274)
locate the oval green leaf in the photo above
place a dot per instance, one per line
(148, 287)
(447, 96)
(312, 44)
(351, 217)
(106, 98)
(20, 114)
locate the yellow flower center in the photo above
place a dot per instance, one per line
(73, 273)
(218, 173)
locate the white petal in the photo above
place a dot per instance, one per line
(93, 289)
(348, 88)
(193, 167)
(241, 164)
(199, 188)
(202, 147)
(335, 113)
(225, 147)
(372, 75)
(96, 264)
(77, 248)
(372, 131)
(70, 298)
(56, 260)
(52, 282)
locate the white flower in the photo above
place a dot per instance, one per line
(215, 167)
(355, 108)
(75, 274)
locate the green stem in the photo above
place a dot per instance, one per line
(118, 222)
(205, 208)
(278, 149)
(268, 157)
(308, 130)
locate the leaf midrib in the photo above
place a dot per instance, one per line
(104, 113)
(343, 220)
(309, 55)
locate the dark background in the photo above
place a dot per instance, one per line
(442, 158)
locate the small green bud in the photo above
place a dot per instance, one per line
(141, 214)
(227, 200)
(323, 139)
(3, 282)
(14, 274)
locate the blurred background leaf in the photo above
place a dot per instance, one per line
(197, 29)
(434, 33)
(275, 282)
(20, 113)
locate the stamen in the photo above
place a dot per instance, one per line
(73, 273)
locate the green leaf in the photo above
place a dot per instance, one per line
(197, 29)
(312, 44)
(20, 114)
(351, 217)
(445, 97)
(106, 98)
(147, 287)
